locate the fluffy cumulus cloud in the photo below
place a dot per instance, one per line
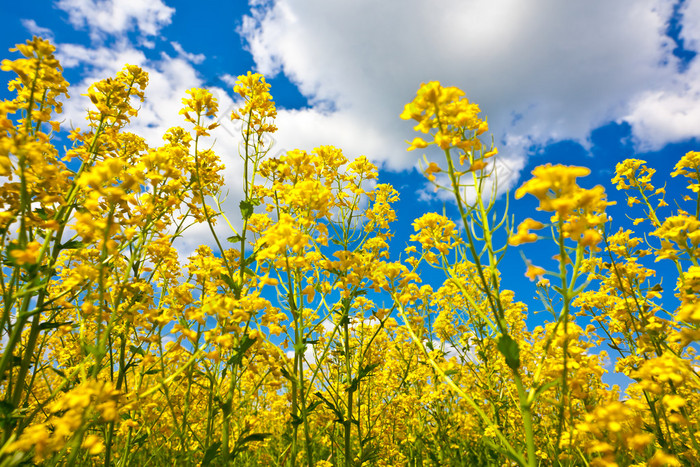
(670, 111)
(104, 17)
(543, 70)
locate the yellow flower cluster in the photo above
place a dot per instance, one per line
(259, 108)
(446, 110)
(435, 232)
(633, 173)
(88, 404)
(689, 167)
(578, 212)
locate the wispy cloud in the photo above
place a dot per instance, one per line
(36, 30)
(190, 57)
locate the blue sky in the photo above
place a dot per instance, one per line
(586, 83)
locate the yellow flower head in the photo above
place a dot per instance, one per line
(580, 210)
(259, 108)
(534, 272)
(689, 167)
(552, 182)
(524, 235)
(446, 110)
(633, 173)
(30, 255)
(203, 104)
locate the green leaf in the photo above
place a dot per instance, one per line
(256, 437)
(312, 406)
(367, 440)
(226, 406)
(330, 405)
(362, 374)
(249, 271)
(6, 408)
(245, 344)
(53, 325)
(243, 440)
(296, 420)
(234, 239)
(286, 374)
(137, 350)
(543, 387)
(41, 212)
(140, 439)
(58, 372)
(211, 453)
(227, 279)
(246, 209)
(72, 245)
(370, 454)
(250, 259)
(300, 347)
(510, 350)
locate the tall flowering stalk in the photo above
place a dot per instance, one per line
(454, 126)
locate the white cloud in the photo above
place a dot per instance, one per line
(691, 21)
(542, 70)
(230, 80)
(190, 57)
(670, 112)
(117, 16)
(668, 115)
(36, 30)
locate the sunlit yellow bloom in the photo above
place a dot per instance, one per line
(534, 272)
(417, 143)
(30, 255)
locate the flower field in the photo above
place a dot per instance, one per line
(296, 340)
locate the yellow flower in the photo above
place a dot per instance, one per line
(555, 181)
(534, 272)
(445, 110)
(581, 210)
(680, 229)
(431, 169)
(259, 109)
(673, 402)
(661, 459)
(689, 313)
(633, 173)
(30, 255)
(93, 445)
(688, 166)
(416, 144)
(478, 165)
(524, 235)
